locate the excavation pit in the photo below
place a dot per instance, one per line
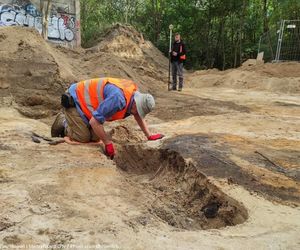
(178, 193)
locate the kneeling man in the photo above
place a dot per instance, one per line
(88, 104)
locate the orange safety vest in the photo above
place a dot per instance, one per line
(90, 94)
(183, 57)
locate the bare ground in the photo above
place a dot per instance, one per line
(225, 177)
(149, 199)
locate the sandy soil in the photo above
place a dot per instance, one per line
(74, 195)
(226, 176)
(229, 145)
(280, 78)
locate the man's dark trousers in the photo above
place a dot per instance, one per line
(177, 70)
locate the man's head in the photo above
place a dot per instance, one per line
(143, 104)
(177, 37)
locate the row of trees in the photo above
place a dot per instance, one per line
(218, 33)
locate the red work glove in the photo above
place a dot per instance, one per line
(110, 151)
(155, 137)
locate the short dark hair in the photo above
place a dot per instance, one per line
(177, 34)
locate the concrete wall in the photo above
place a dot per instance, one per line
(63, 19)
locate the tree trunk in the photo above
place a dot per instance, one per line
(217, 54)
(126, 11)
(223, 47)
(241, 30)
(265, 15)
(232, 42)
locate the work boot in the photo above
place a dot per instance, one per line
(179, 89)
(58, 128)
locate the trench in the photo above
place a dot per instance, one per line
(181, 196)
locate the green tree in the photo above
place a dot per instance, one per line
(218, 33)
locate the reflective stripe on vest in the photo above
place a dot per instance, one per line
(128, 87)
(90, 94)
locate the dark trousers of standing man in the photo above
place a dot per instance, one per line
(177, 70)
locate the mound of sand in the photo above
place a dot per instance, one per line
(29, 73)
(123, 52)
(122, 41)
(35, 73)
(277, 77)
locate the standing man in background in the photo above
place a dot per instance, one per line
(177, 58)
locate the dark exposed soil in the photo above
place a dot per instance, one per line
(212, 157)
(174, 106)
(180, 194)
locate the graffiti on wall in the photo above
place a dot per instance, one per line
(61, 24)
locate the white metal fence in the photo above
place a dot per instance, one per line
(283, 46)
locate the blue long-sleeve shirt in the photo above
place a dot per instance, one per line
(113, 102)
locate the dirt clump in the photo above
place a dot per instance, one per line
(12, 240)
(181, 195)
(5, 223)
(122, 135)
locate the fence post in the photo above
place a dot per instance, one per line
(280, 37)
